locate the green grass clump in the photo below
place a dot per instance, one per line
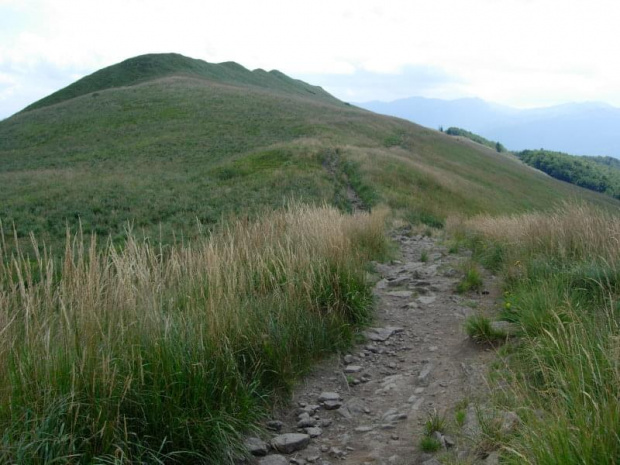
(424, 256)
(460, 415)
(434, 422)
(564, 291)
(479, 328)
(147, 354)
(428, 444)
(472, 280)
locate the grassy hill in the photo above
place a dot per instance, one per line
(148, 67)
(165, 142)
(130, 352)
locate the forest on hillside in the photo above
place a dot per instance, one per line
(601, 174)
(452, 131)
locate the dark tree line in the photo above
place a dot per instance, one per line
(476, 138)
(601, 174)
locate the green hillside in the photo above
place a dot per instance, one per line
(181, 146)
(232, 263)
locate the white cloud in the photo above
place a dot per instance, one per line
(521, 52)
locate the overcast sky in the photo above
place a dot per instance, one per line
(522, 53)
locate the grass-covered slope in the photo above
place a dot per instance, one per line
(169, 153)
(148, 67)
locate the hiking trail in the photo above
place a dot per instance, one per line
(369, 406)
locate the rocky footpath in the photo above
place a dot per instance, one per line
(370, 406)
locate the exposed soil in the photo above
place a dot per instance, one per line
(417, 361)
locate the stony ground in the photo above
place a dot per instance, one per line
(370, 406)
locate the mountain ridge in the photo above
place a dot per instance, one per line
(144, 68)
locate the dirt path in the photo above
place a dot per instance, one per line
(370, 406)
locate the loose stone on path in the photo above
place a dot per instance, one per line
(382, 334)
(256, 446)
(290, 442)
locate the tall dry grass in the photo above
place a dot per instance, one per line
(562, 275)
(142, 353)
(571, 232)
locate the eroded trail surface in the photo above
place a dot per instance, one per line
(370, 406)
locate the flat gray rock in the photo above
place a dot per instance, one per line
(352, 369)
(393, 415)
(256, 446)
(356, 406)
(427, 299)
(492, 459)
(332, 404)
(395, 282)
(382, 284)
(325, 396)
(306, 421)
(273, 460)
(402, 294)
(423, 377)
(275, 425)
(418, 403)
(290, 442)
(505, 327)
(314, 431)
(382, 334)
(344, 412)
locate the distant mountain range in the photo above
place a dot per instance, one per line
(590, 128)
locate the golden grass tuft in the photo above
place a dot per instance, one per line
(573, 231)
(175, 350)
